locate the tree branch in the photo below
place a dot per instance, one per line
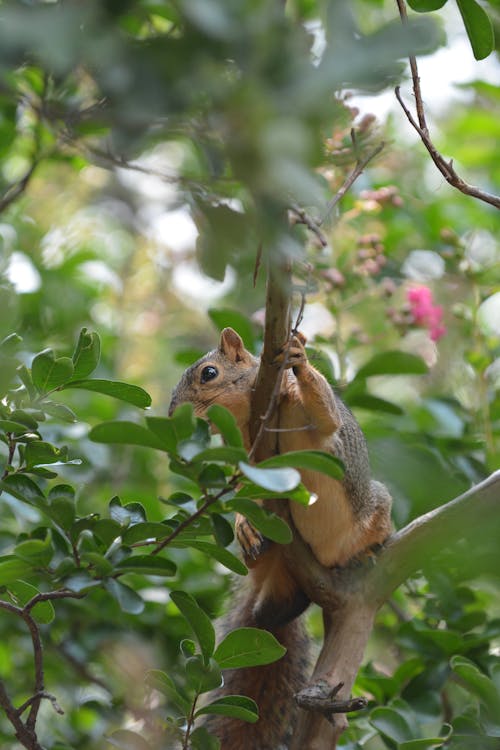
(351, 596)
(445, 167)
(359, 167)
(25, 731)
(268, 383)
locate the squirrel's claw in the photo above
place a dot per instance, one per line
(293, 353)
(250, 539)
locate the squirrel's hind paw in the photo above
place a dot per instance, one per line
(250, 539)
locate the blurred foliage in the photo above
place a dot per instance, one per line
(139, 143)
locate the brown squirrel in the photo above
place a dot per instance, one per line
(348, 517)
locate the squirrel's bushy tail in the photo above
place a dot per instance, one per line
(272, 687)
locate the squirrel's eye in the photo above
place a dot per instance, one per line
(209, 373)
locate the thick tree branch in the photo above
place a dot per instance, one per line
(351, 596)
(445, 167)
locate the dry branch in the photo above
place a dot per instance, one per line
(445, 167)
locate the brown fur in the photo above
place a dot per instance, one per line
(348, 518)
(272, 687)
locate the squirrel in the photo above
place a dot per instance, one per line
(349, 517)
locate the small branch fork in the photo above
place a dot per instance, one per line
(420, 125)
(25, 730)
(314, 225)
(320, 697)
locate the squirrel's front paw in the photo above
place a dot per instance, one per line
(250, 539)
(293, 353)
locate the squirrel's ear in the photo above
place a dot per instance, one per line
(231, 345)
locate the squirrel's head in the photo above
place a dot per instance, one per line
(223, 376)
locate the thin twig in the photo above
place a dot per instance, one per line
(211, 499)
(350, 180)
(16, 189)
(445, 167)
(313, 225)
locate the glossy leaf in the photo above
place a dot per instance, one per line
(477, 683)
(49, 373)
(248, 647)
(424, 6)
(147, 565)
(202, 675)
(13, 568)
(131, 394)
(272, 526)
(234, 706)
(125, 433)
(162, 682)
(226, 425)
(126, 597)
(275, 480)
(198, 620)
(312, 460)
(220, 554)
(478, 26)
(87, 353)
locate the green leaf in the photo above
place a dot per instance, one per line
(62, 511)
(174, 429)
(49, 373)
(424, 6)
(226, 424)
(223, 531)
(272, 526)
(478, 26)
(201, 739)
(145, 530)
(392, 363)
(126, 514)
(220, 554)
(164, 429)
(224, 453)
(38, 552)
(125, 433)
(147, 565)
(477, 683)
(127, 598)
(7, 425)
(248, 647)
(203, 676)
(234, 706)
(131, 394)
(58, 411)
(127, 740)
(198, 620)
(87, 353)
(13, 568)
(38, 452)
(275, 480)
(226, 318)
(391, 724)
(10, 343)
(107, 530)
(163, 683)
(312, 460)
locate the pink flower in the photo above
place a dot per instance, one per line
(425, 313)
